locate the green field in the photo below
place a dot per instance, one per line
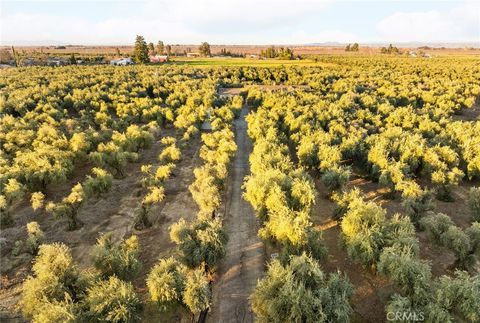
(219, 61)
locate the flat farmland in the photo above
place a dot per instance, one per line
(332, 189)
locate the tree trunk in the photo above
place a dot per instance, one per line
(203, 316)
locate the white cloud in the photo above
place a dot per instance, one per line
(178, 21)
(460, 24)
(232, 22)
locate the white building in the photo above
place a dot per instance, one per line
(122, 61)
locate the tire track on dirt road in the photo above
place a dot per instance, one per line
(243, 264)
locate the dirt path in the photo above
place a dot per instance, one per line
(244, 261)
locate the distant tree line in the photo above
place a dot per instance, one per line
(352, 48)
(281, 53)
(225, 52)
(390, 50)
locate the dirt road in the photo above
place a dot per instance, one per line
(244, 261)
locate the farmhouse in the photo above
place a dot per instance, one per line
(121, 61)
(193, 54)
(158, 59)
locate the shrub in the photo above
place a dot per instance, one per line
(163, 172)
(114, 301)
(5, 217)
(473, 233)
(13, 191)
(301, 292)
(474, 203)
(119, 259)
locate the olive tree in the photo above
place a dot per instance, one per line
(13, 191)
(55, 277)
(436, 225)
(465, 244)
(417, 206)
(69, 206)
(336, 178)
(200, 242)
(474, 203)
(37, 200)
(35, 238)
(205, 191)
(57, 311)
(170, 154)
(300, 292)
(460, 294)
(171, 284)
(119, 259)
(313, 246)
(402, 267)
(113, 300)
(101, 183)
(166, 282)
(155, 195)
(362, 231)
(112, 156)
(197, 292)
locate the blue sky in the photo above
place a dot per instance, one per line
(238, 21)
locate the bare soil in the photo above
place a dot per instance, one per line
(469, 114)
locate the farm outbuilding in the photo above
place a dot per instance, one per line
(193, 54)
(158, 58)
